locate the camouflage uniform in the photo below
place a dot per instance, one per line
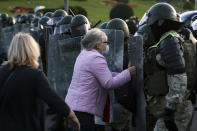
(175, 99)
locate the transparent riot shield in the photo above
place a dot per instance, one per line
(61, 58)
(135, 50)
(21, 28)
(5, 40)
(4, 45)
(115, 64)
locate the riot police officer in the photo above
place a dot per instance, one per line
(119, 24)
(17, 17)
(30, 18)
(165, 70)
(122, 124)
(79, 25)
(4, 18)
(49, 14)
(34, 22)
(11, 21)
(38, 14)
(103, 25)
(22, 19)
(34, 28)
(57, 16)
(64, 24)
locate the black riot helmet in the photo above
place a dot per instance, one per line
(118, 24)
(58, 15)
(4, 17)
(22, 19)
(160, 11)
(64, 24)
(49, 14)
(17, 17)
(30, 18)
(43, 22)
(38, 14)
(35, 21)
(11, 21)
(103, 25)
(79, 25)
(161, 17)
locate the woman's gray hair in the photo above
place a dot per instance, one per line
(92, 38)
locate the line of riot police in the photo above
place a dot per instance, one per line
(162, 49)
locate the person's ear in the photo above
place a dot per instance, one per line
(97, 46)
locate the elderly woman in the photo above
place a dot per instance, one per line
(92, 79)
(22, 85)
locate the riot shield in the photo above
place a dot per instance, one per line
(61, 58)
(34, 33)
(115, 64)
(21, 28)
(135, 50)
(8, 29)
(47, 32)
(5, 40)
(116, 46)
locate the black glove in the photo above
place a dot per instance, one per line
(169, 120)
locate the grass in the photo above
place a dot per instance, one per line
(96, 8)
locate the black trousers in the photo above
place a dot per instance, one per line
(86, 121)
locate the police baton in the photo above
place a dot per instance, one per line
(96, 24)
(71, 12)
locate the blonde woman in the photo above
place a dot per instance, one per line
(22, 84)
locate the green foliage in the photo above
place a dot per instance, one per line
(80, 0)
(188, 5)
(123, 1)
(121, 11)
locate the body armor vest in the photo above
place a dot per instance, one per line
(155, 74)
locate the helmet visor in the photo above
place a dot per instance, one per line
(64, 28)
(54, 20)
(56, 30)
(143, 20)
(194, 25)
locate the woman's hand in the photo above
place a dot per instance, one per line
(132, 70)
(73, 121)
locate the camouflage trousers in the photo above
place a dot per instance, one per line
(183, 118)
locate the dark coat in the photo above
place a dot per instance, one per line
(18, 104)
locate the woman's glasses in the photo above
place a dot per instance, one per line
(106, 42)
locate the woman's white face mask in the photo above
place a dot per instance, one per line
(104, 47)
(106, 52)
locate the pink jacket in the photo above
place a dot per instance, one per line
(91, 81)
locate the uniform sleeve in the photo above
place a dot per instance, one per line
(102, 73)
(49, 95)
(172, 55)
(177, 90)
